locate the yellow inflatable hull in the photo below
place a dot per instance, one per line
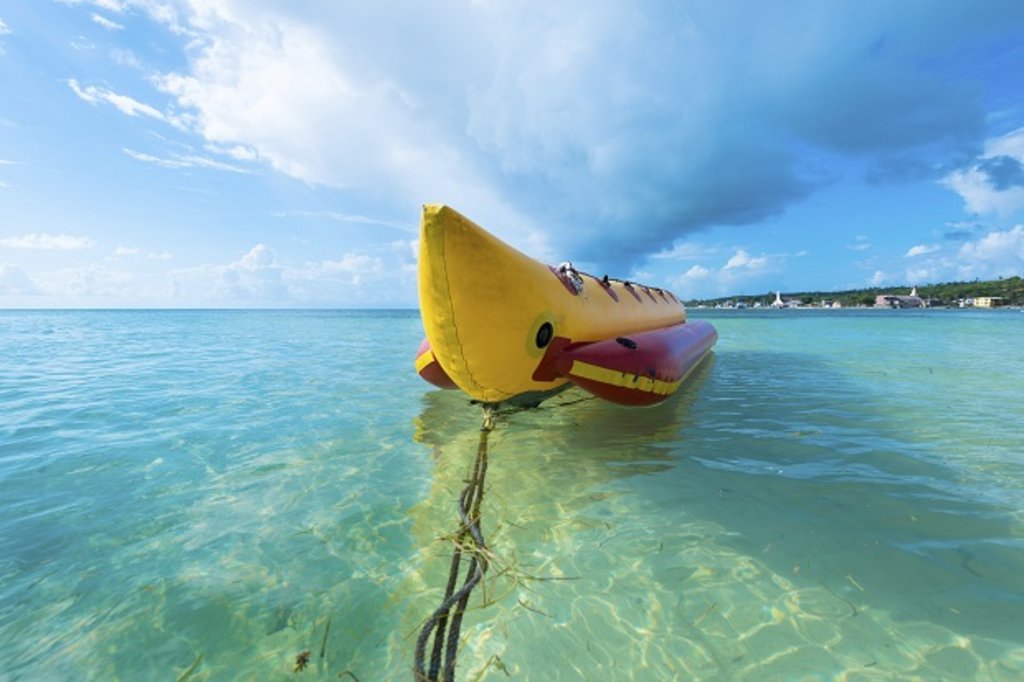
(491, 313)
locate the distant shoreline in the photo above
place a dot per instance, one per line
(1006, 292)
(861, 308)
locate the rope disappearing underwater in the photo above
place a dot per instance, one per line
(470, 537)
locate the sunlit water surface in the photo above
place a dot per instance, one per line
(196, 495)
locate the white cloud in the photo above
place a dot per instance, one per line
(353, 263)
(742, 260)
(697, 272)
(131, 251)
(740, 269)
(324, 103)
(96, 281)
(256, 277)
(922, 250)
(353, 218)
(981, 194)
(160, 10)
(83, 44)
(878, 278)
(96, 284)
(997, 254)
(860, 243)
(238, 151)
(123, 57)
(126, 105)
(260, 277)
(980, 197)
(163, 11)
(116, 6)
(275, 85)
(14, 282)
(350, 272)
(4, 31)
(47, 242)
(178, 161)
(107, 23)
(407, 249)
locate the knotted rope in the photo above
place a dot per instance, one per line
(470, 540)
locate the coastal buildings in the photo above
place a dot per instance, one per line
(891, 301)
(788, 303)
(1003, 293)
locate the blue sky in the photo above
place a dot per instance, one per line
(175, 153)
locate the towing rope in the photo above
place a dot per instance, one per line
(469, 540)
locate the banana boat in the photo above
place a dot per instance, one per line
(503, 327)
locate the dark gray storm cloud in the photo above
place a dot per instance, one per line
(702, 114)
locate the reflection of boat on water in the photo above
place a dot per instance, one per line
(616, 443)
(502, 326)
(528, 481)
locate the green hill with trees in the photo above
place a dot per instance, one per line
(1010, 289)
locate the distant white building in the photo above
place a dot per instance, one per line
(890, 301)
(788, 303)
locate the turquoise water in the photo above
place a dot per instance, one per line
(196, 495)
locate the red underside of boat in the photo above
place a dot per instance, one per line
(638, 369)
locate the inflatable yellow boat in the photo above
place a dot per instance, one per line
(502, 326)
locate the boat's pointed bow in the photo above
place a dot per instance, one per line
(479, 302)
(435, 292)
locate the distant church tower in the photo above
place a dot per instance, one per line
(777, 303)
(913, 292)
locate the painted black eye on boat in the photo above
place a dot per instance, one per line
(544, 335)
(628, 343)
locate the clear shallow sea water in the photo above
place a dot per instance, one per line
(194, 495)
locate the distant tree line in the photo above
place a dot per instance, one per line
(1011, 289)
